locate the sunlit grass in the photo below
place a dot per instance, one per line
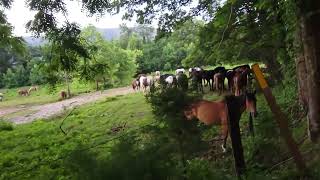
(28, 145)
(42, 96)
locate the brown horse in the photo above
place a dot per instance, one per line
(229, 75)
(216, 112)
(219, 82)
(135, 84)
(240, 81)
(63, 94)
(23, 92)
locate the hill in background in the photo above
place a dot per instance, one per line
(107, 33)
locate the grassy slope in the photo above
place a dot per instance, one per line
(29, 145)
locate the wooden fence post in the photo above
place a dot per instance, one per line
(234, 116)
(280, 118)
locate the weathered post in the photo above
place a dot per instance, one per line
(234, 116)
(280, 118)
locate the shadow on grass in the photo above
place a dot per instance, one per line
(130, 157)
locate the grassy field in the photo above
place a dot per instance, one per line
(43, 95)
(30, 151)
(97, 146)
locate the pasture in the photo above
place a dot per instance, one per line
(118, 138)
(45, 94)
(220, 117)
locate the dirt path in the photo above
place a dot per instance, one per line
(48, 110)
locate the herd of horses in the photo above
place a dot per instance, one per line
(27, 92)
(211, 112)
(238, 79)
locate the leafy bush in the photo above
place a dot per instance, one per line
(16, 77)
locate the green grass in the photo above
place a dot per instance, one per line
(42, 96)
(90, 150)
(38, 144)
(40, 150)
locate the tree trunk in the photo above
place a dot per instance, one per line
(97, 85)
(310, 35)
(302, 80)
(68, 84)
(104, 83)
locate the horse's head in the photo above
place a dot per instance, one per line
(189, 112)
(251, 103)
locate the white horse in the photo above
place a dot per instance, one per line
(171, 80)
(181, 70)
(145, 82)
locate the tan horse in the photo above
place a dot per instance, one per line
(33, 88)
(216, 112)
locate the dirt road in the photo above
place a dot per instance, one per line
(45, 111)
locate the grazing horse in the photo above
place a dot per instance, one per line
(23, 92)
(33, 88)
(135, 84)
(241, 68)
(216, 112)
(1, 96)
(169, 80)
(180, 70)
(240, 81)
(143, 82)
(219, 81)
(207, 75)
(63, 95)
(196, 78)
(198, 69)
(229, 75)
(219, 69)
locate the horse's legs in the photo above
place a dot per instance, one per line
(224, 129)
(201, 87)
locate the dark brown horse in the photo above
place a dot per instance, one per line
(216, 112)
(196, 78)
(229, 75)
(219, 82)
(63, 95)
(240, 81)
